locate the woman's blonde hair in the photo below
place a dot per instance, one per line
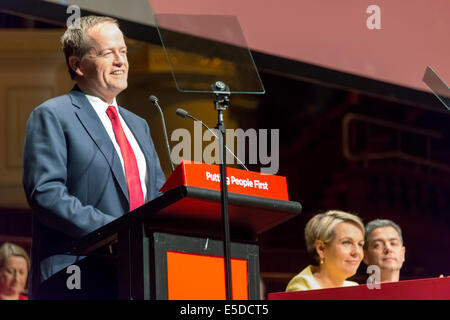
(10, 249)
(321, 227)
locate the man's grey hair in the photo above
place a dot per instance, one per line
(75, 42)
(380, 223)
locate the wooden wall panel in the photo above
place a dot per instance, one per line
(33, 70)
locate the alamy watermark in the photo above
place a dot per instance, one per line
(262, 147)
(373, 281)
(74, 280)
(73, 21)
(374, 20)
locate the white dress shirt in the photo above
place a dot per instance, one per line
(100, 107)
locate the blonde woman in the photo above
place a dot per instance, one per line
(14, 267)
(336, 240)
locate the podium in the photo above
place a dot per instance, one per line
(171, 248)
(422, 289)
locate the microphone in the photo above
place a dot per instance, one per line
(184, 114)
(154, 100)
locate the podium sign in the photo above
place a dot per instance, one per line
(207, 176)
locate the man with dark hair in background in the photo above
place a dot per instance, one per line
(384, 247)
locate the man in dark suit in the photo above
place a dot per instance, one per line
(87, 162)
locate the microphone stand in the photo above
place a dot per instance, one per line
(222, 98)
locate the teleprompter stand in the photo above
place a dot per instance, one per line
(214, 42)
(221, 101)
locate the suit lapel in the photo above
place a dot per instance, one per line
(89, 118)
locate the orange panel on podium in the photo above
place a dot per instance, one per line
(202, 277)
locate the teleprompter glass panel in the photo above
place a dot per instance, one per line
(204, 49)
(437, 86)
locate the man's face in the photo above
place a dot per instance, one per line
(103, 70)
(385, 249)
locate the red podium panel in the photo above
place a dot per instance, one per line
(202, 277)
(256, 202)
(193, 268)
(423, 289)
(207, 176)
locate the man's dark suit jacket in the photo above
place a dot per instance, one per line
(73, 178)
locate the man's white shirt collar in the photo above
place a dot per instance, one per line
(99, 105)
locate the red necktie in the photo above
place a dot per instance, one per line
(135, 193)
